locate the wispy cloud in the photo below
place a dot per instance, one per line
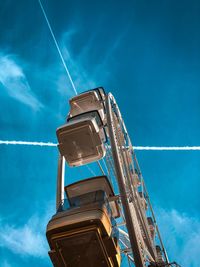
(158, 148)
(105, 67)
(5, 263)
(14, 80)
(80, 75)
(77, 67)
(84, 75)
(28, 239)
(181, 234)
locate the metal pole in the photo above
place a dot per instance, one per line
(131, 230)
(60, 181)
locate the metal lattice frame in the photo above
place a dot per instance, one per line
(142, 245)
(136, 243)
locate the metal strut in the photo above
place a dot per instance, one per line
(60, 181)
(139, 231)
(138, 258)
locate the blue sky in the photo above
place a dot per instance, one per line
(147, 53)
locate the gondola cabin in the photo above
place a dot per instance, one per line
(81, 140)
(88, 101)
(83, 232)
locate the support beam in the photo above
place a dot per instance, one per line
(120, 178)
(60, 181)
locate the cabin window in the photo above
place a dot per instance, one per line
(88, 198)
(98, 196)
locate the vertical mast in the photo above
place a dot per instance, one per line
(60, 181)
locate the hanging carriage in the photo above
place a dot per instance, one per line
(85, 229)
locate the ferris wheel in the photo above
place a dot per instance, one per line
(101, 219)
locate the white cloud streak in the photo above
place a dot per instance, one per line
(162, 148)
(181, 235)
(57, 47)
(15, 82)
(27, 143)
(28, 239)
(80, 75)
(166, 148)
(5, 263)
(25, 240)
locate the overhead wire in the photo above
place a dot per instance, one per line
(100, 167)
(92, 172)
(107, 170)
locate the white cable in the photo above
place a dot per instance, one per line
(57, 46)
(92, 172)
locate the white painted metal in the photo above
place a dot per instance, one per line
(134, 203)
(60, 181)
(122, 168)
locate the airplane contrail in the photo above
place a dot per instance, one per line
(50, 144)
(57, 46)
(27, 143)
(166, 147)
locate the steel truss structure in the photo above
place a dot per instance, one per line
(139, 236)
